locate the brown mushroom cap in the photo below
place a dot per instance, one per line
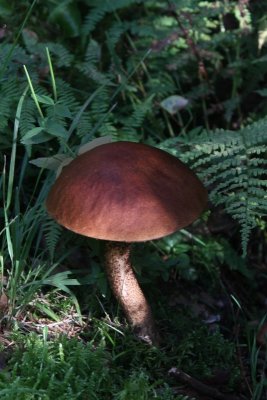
(127, 192)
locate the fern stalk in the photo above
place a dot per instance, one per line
(9, 55)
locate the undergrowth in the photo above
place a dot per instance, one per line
(107, 366)
(186, 76)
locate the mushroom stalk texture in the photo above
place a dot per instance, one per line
(128, 292)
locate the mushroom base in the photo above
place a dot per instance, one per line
(128, 292)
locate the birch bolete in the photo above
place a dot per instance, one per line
(126, 192)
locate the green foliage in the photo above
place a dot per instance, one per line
(99, 11)
(9, 91)
(62, 368)
(68, 368)
(116, 76)
(212, 351)
(258, 380)
(115, 366)
(233, 165)
(67, 15)
(52, 233)
(233, 161)
(22, 238)
(202, 259)
(89, 66)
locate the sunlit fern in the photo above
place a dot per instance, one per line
(233, 165)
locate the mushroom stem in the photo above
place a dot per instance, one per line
(128, 292)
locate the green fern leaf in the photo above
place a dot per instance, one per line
(232, 164)
(52, 233)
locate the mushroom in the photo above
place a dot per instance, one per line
(125, 192)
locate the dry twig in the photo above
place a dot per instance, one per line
(199, 386)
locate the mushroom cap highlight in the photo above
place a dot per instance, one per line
(127, 192)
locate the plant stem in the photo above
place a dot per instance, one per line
(51, 74)
(33, 92)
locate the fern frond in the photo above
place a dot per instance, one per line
(28, 118)
(92, 20)
(63, 58)
(132, 125)
(108, 129)
(93, 73)
(93, 52)
(101, 9)
(116, 31)
(9, 94)
(100, 105)
(84, 127)
(162, 85)
(97, 120)
(140, 110)
(52, 233)
(18, 57)
(89, 67)
(66, 95)
(233, 165)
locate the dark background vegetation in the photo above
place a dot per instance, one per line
(190, 78)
